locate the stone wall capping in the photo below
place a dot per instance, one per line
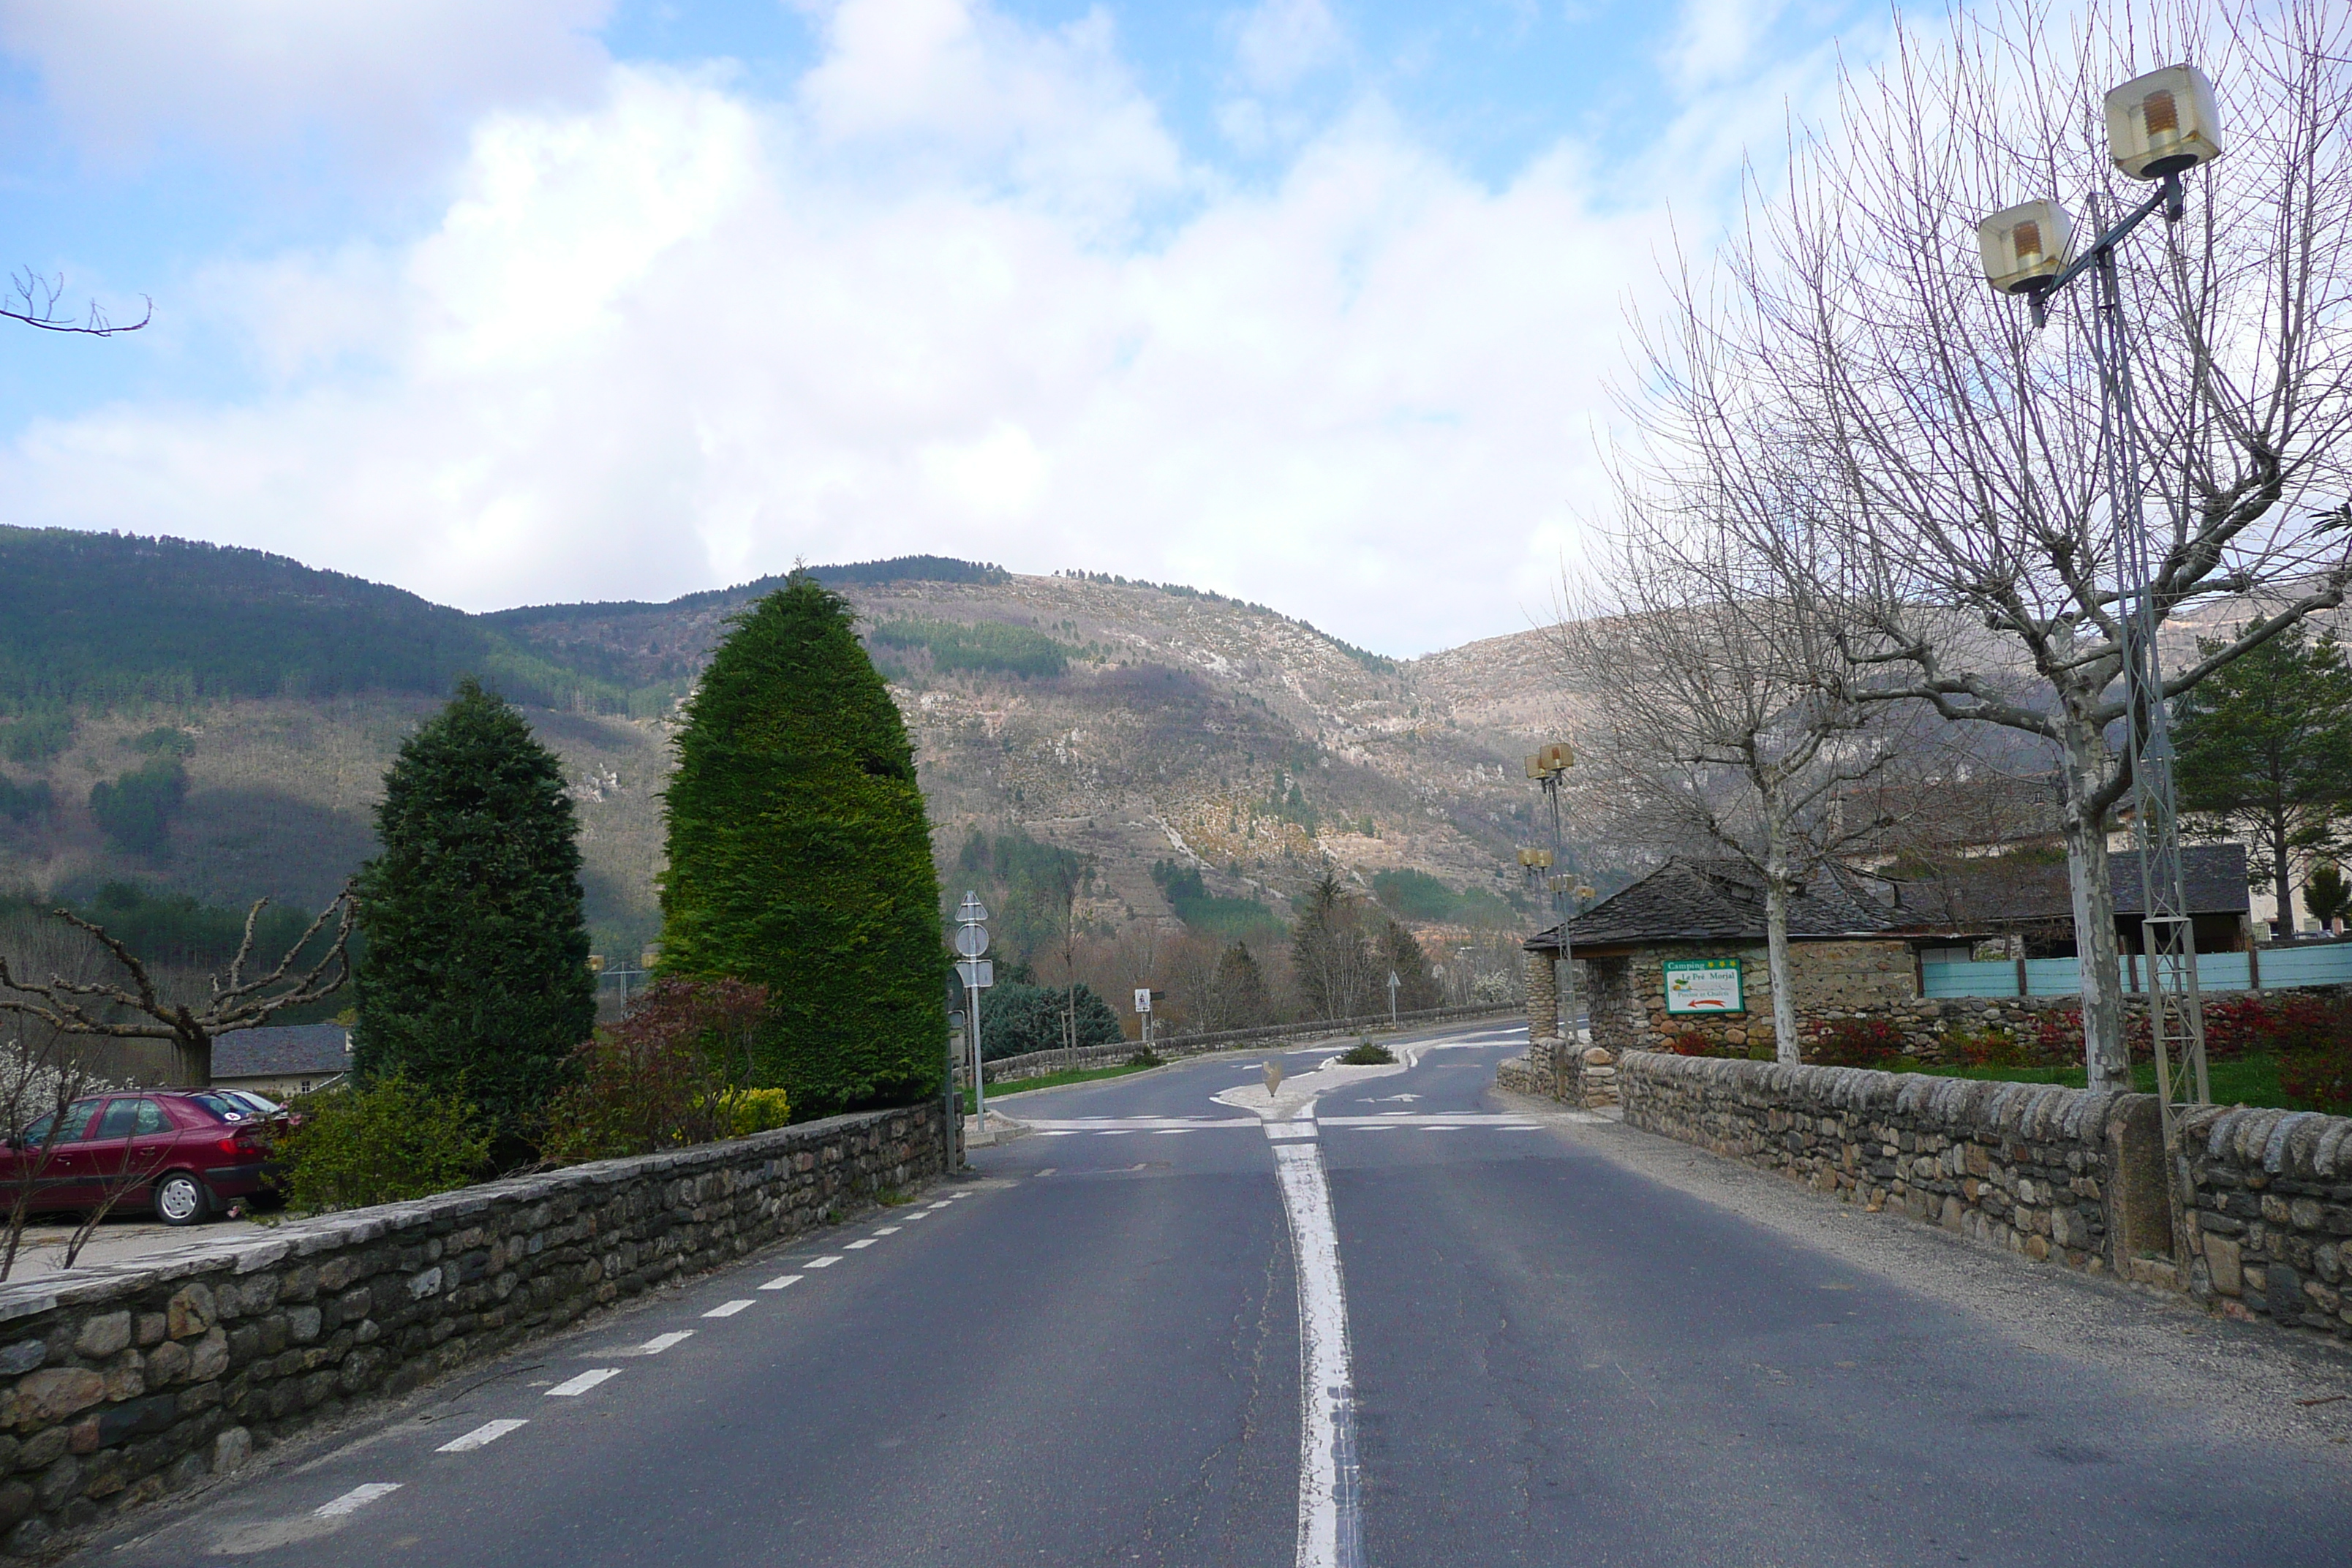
(2327, 1157)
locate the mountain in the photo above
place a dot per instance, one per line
(240, 709)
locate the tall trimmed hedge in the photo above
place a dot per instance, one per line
(800, 857)
(476, 980)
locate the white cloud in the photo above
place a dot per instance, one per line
(676, 336)
(1282, 41)
(1717, 39)
(387, 79)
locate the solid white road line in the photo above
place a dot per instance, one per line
(727, 1309)
(357, 1499)
(781, 1280)
(572, 1387)
(1330, 1520)
(821, 1262)
(481, 1437)
(661, 1343)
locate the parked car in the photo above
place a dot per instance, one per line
(185, 1156)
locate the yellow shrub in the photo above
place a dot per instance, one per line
(758, 1110)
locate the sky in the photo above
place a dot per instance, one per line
(1314, 303)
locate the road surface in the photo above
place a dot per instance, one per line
(1527, 1339)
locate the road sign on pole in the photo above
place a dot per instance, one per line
(978, 974)
(1393, 991)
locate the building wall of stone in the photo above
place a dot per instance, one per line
(2061, 1174)
(118, 1385)
(1833, 980)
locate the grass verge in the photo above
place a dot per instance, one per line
(1057, 1079)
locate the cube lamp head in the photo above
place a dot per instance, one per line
(2163, 122)
(2026, 246)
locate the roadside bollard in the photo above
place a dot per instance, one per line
(1273, 1077)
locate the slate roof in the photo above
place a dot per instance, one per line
(291, 1050)
(1723, 900)
(2008, 892)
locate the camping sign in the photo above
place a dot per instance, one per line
(1703, 985)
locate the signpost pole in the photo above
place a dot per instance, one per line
(978, 974)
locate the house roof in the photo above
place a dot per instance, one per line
(294, 1048)
(1723, 900)
(2009, 890)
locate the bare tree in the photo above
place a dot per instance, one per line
(133, 1008)
(32, 300)
(40, 1081)
(1723, 714)
(1954, 456)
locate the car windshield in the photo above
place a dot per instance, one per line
(220, 1104)
(259, 1104)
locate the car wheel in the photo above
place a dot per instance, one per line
(180, 1199)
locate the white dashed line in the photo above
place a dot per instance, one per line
(862, 1241)
(727, 1309)
(935, 1208)
(919, 1213)
(890, 1229)
(481, 1437)
(821, 1262)
(781, 1280)
(1049, 1170)
(357, 1499)
(661, 1343)
(571, 1387)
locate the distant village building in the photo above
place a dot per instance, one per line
(1680, 952)
(280, 1063)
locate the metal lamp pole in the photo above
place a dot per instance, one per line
(1548, 767)
(2159, 126)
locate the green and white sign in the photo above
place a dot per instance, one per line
(1703, 985)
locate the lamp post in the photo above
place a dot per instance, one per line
(2159, 126)
(1548, 767)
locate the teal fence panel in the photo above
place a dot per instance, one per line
(1970, 979)
(2053, 977)
(2286, 966)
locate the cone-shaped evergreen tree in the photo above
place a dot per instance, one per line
(800, 857)
(477, 971)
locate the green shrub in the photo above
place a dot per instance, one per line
(1368, 1054)
(136, 810)
(382, 1143)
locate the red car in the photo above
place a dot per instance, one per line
(185, 1155)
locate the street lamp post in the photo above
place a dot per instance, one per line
(2159, 126)
(1548, 767)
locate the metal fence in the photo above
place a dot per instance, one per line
(2265, 969)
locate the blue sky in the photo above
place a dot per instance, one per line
(520, 300)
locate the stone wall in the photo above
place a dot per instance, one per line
(2057, 1173)
(2061, 1174)
(2273, 1214)
(121, 1385)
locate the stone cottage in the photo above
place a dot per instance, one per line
(1682, 951)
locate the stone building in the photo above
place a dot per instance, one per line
(1682, 951)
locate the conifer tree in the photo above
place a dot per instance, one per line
(476, 980)
(800, 857)
(1416, 984)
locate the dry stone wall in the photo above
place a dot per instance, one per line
(2273, 1214)
(2063, 1175)
(121, 1385)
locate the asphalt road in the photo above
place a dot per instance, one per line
(1526, 1349)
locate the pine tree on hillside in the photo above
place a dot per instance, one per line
(477, 975)
(1331, 951)
(1239, 998)
(800, 857)
(1416, 984)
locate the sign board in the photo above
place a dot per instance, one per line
(1142, 1000)
(1703, 985)
(977, 973)
(972, 940)
(971, 912)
